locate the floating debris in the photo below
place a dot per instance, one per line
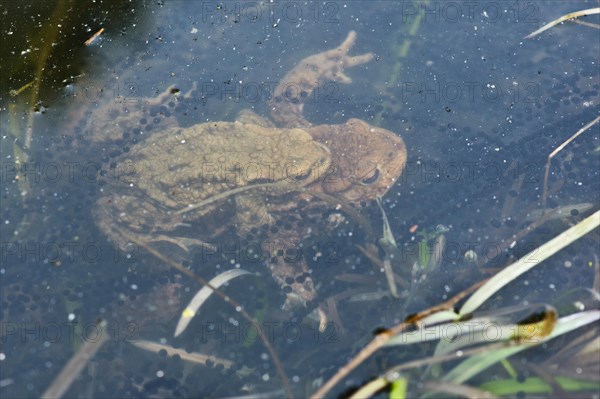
(192, 308)
(566, 17)
(94, 37)
(194, 357)
(73, 368)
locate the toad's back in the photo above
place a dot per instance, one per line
(182, 166)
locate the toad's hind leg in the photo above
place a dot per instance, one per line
(126, 220)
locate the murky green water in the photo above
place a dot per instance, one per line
(480, 110)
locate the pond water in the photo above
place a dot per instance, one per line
(479, 108)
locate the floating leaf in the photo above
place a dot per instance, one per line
(564, 18)
(192, 308)
(529, 261)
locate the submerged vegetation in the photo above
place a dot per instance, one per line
(452, 325)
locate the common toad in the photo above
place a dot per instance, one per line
(249, 172)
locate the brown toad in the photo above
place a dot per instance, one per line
(250, 172)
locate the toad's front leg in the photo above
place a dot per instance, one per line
(288, 267)
(281, 248)
(298, 85)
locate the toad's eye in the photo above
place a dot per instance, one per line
(304, 176)
(371, 178)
